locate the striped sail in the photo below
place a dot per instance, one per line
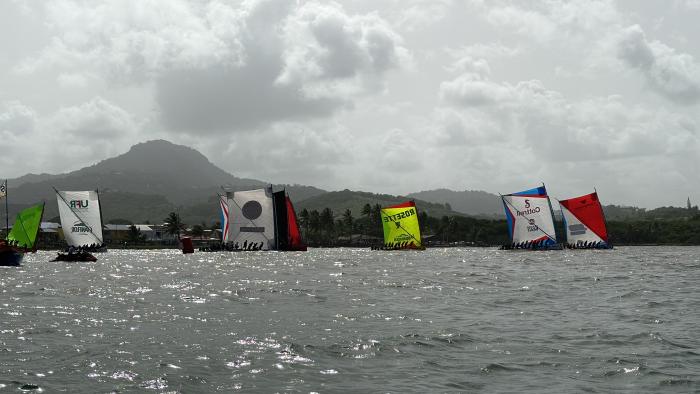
(223, 204)
(529, 216)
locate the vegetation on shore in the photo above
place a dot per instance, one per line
(327, 228)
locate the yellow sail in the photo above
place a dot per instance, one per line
(401, 229)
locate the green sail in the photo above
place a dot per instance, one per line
(26, 227)
(400, 224)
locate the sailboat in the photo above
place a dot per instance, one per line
(287, 231)
(530, 220)
(81, 220)
(23, 236)
(584, 222)
(262, 220)
(401, 228)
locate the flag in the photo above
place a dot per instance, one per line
(3, 189)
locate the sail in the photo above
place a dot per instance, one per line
(223, 204)
(251, 218)
(280, 202)
(401, 225)
(583, 219)
(26, 228)
(80, 217)
(529, 216)
(294, 235)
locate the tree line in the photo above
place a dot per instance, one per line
(326, 228)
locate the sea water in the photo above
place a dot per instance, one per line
(354, 320)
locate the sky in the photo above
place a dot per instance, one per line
(387, 96)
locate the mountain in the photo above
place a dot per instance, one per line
(355, 200)
(469, 202)
(31, 178)
(157, 177)
(145, 184)
(156, 167)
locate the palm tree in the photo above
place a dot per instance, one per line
(327, 222)
(135, 234)
(197, 230)
(173, 224)
(348, 221)
(304, 221)
(376, 222)
(367, 212)
(314, 223)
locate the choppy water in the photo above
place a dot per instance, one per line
(332, 320)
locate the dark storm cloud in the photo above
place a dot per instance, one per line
(220, 98)
(219, 67)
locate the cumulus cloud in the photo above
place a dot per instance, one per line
(96, 119)
(324, 47)
(16, 119)
(524, 132)
(288, 152)
(220, 67)
(64, 140)
(131, 42)
(674, 75)
(547, 21)
(497, 94)
(596, 128)
(416, 15)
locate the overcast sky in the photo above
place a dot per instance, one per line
(387, 96)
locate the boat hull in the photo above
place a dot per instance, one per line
(545, 247)
(75, 257)
(10, 258)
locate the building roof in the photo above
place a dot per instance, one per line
(127, 227)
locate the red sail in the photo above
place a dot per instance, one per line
(295, 242)
(588, 210)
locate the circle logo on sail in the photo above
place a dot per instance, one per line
(251, 210)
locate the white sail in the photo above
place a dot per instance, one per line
(80, 217)
(251, 218)
(529, 216)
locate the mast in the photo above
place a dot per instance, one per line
(602, 212)
(102, 225)
(505, 206)
(551, 213)
(7, 213)
(563, 219)
(221, 212)
(38, 229)
(274, 220)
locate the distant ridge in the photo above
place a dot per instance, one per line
(339, 201)
(156, 177)
(469, 202)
